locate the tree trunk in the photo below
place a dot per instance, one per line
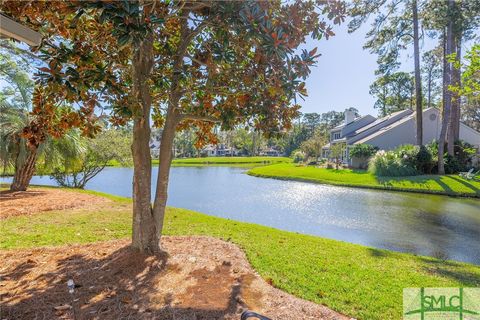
(418, 83)
(168, 134)
(165, 159)
(144, 235)
(453, 102)
(429, 91)
(456, 102)
(24, 170)
(447, 98)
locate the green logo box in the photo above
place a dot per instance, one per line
(441, 304)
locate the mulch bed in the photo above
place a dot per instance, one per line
(36, 200)
(196, 278)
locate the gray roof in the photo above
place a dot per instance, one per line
(382, 120)
(384, 129)
(341, 126)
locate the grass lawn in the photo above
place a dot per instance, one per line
(219, 161)
(449, 184)
(228, 160)
(359, 281)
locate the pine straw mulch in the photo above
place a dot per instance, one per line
(35, 200)
(196, 278)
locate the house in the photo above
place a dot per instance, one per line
(220, 150)
(270, 152)
(389, 132)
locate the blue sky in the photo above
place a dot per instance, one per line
(343, 74)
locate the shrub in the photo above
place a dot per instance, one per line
(391, 164)
(464, 153)
(432, 148)
(407, 154)
(109, 145)
(461, 162)
(298, 156)
(416, 157)
(452, 164)
(425, 161)
(363, 150)
(407, 160)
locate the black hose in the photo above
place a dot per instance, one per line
(250, 314)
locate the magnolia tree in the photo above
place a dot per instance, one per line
(177, 65)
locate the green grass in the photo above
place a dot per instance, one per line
(359, 281)
(229, 160)
(447, 185)
(218, 161)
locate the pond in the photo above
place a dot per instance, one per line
(443, 227)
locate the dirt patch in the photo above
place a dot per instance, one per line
(37, 200)
(197, 278)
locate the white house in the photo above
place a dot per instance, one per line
(220, 150)
(392, 131)
(270, 152)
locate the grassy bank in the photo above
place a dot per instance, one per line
(435, 184)
(361, 282)
(219, 161)
(229, 160)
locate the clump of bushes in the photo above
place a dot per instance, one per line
(408, 160)
(391, 164)
(298, 156)
(363, 150)
(462, 161)
(361, 153)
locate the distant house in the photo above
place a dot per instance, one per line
(271, 152)
(392, 131)
(220, 150)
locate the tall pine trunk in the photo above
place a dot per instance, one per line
(144, 235)
(24, 169)
(418, 81)
(429, 91)
(456, 102)
(447, 98)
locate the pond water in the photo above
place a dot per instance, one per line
(438, 226)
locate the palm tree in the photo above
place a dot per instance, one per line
(16, 153)
(12, 122)
(15, 104)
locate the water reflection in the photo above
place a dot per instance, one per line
(438, 226)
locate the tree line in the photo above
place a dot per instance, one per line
(307, 130)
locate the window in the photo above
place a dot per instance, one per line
(336, 135)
